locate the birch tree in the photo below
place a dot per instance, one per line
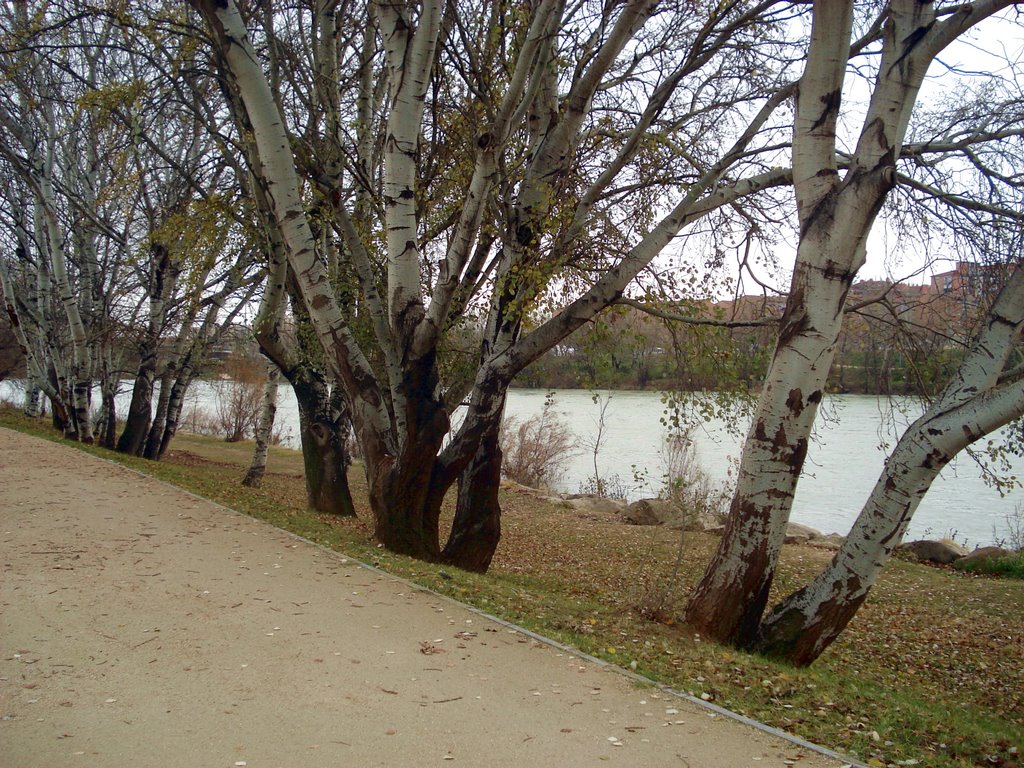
(30, 123)
(985, 393)
(557, 109)
(838, 197)
(112, 166)
(23, 278)
(282, 328)
(324, 414)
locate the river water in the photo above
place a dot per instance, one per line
(843, 462)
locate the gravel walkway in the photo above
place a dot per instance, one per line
(142, 626)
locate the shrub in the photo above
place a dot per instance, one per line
(689, 486)
(240, 398)
(687, 483)
(607, 487)
(200, 421)
(13, 395)
(535, 450)
(1013, 531)
(1011, 566)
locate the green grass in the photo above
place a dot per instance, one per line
(930, 669)
(1011, 566)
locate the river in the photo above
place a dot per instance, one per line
(843, 462)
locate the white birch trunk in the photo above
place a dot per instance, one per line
(974, 404)
(835, 218)
(54, 355)
(29, 321)
(409, 52)
(33, 401)
(81, 385)
(531, 75)
(282, 189)
(264, 429)
(163, 277)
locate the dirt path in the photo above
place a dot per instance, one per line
(142, 626)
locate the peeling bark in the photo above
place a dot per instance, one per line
(401, 419)
(476, 528)
(140, 410)
(151, 449)
(324, 425)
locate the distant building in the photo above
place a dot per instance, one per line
(978, 283)
(957, 298)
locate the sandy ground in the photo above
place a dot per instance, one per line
(142, 626)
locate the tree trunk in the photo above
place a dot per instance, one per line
(151, 450)
(476, 529)
(836, 213)
(59, 414)
(33, 400)
(325, 418)
(140, 410)
(163, 279)
(264, 429)
(408, 484)
(975, 403)
(324, 426)
(36, 377)
(406, 490)
(174, 406)
(406, 497)
(730, 600)
(81, 393)
(808, 621)
(78, 426)
(107, 421)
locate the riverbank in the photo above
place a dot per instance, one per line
(929, 643)
(843, 463)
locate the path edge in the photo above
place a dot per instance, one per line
(846, 761)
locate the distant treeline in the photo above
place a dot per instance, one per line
(630, 350)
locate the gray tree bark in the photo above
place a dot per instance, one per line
(254, 476)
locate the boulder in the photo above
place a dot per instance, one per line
(596, 504)
(941, 552)
(642, 513)
(653, 512)
(702, 521)
(830, 541)
(552, 499)
(800, 534)
(981, 555)
(514, 487)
